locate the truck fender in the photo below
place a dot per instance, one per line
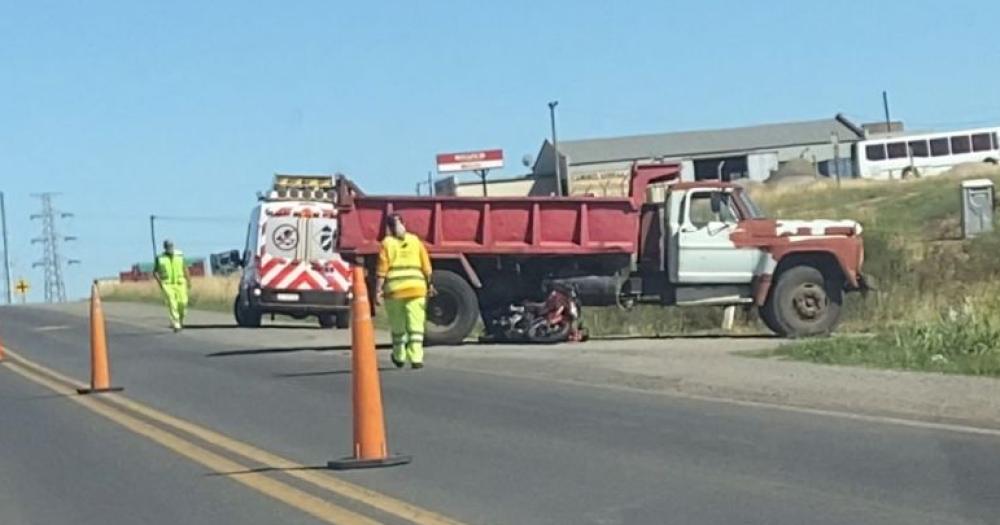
(778, 262)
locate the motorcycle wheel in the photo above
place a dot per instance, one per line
(541, 331)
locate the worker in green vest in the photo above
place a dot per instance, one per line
(403, 281)
(172, 275)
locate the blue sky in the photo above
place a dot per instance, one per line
(188, 108)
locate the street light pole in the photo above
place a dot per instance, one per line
(6, 247)
(555, 147)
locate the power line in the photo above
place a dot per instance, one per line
(52, 261)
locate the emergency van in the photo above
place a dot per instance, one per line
(290, 265)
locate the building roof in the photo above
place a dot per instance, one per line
(704, 142)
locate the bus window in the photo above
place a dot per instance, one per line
(875, 152)
(996, 145)
(896, 150)
(982, 142)
(960, 144)
(919, 148)
(939, 147)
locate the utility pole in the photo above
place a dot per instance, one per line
(555, 147)
(885, 105)
(52, 261)
(152, 233)
(6, 249)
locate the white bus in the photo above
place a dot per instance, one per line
(926, 154)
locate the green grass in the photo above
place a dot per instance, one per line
(964, 340)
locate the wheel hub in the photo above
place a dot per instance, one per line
(810, 301)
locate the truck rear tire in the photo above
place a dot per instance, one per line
(804, 302)
(452, 313)
(246, 315)
(327, 320)
(344, 320)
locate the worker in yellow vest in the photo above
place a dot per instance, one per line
(403, 280)
(172, 275)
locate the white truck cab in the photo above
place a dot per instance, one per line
(289, 262)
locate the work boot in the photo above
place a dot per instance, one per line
(399, 364)
(416, 366)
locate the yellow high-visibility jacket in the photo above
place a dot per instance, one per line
(405, 266)
(171, 269)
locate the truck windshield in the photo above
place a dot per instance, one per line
(750, 206)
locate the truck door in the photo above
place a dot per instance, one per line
(705, 254)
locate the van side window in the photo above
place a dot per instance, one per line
(919, 148)
(897, 150)
(960, 144)
(875, 152)
(982, 142)
(939, 147)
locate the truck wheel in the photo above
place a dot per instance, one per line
(452, 313)
(327, 320)
(803, 303)
(344, 320)
(246, 315)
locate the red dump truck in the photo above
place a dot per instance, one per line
(700, 243)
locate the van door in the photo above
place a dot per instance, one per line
(322, 254)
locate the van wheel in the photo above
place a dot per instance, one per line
(803, 303)
(246, 315)
(911, 172)
(452, 313)
(991, 161)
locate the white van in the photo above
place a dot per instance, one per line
(289, 263)
(925, 154)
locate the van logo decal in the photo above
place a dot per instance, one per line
(285, 237)
(326, 239)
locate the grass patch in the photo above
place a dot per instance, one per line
(207, 293)
(963, 340)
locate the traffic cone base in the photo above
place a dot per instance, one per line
(357, 463)
(85, 391)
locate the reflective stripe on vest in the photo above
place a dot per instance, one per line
(404, 265)
(171, 268)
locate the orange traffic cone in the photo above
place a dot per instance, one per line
(370, 447)
(100, 376)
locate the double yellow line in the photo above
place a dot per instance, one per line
(140, 419)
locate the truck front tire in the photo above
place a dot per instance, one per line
(452, 313)
(804, 302)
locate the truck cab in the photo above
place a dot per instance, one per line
(290, 264)
(720, 249)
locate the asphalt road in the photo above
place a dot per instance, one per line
(487, 448)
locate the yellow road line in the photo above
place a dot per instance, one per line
(282, 492)
(385, 503)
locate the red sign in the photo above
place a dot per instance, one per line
(470, 161)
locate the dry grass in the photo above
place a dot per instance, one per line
(207, 293)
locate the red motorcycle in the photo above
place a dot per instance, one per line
(554, 320)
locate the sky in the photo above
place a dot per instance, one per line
(187, 109)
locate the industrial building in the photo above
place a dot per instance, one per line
(600, 166)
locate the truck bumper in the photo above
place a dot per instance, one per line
(302, 302)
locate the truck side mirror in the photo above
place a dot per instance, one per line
(716, 202)
(235, 257)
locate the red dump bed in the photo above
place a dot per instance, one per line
(506, 225)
